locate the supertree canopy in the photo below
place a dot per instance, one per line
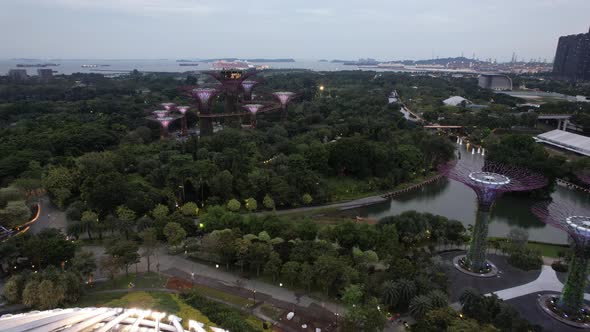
(164, 121)
(168, 106)
(284, 97)
(575, 221)
(204, 98)
(255, 108)
(489, 181)
(247, 86)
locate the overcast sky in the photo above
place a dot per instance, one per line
(303, 29)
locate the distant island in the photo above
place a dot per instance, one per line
(249, 60)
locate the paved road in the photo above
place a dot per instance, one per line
(342, 206)
(169, 262)
(50, 217)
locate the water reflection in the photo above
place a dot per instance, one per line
(456, 201)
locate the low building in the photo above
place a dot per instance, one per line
(566, 140)
(456, 101)
(495, 82)
(99, 319)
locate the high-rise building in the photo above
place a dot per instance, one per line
(45, 74)
(572, 58)
(17, 74)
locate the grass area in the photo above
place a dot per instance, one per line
(548, 250)
(158, 301)
(222, 296)
(347, 188)
(255, 322)
(140, 280)
(271, 311)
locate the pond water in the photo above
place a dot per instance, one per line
(456, 201)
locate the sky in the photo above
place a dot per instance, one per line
(300, 29)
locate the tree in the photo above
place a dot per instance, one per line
(14, 214)
(251, 204)
(268, 202)
(406, 290)
(258, 255)
(353, 295)
(190, 209)
(290, 272)
(84, 263)
(273, 266)
(13, 288)
(31, 293)
(105, 192)
(109, 265)
(306, 275)
(306, 199)
(50, 295)
(174, 233)
(124, 253)
(438, 298)
(419, 306)
(234, 205)
(88, 222)
(149, 236)
(126, 218)
(390, 293)
(60, 182)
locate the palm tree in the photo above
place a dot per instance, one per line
(469, 297)
(406, 289)
(419, 306)
(438, 299)
(390, 293)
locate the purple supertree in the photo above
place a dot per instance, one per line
(247, 86)
(284, 97)
(204, 98)
(489, 181)
(160, 113)
(182, 110)
(575, 221)
(255, 108)
(231, 81)
(164, 122)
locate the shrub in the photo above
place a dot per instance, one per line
(234, 205)
(525, 259)
(559, 266)
(222, 315)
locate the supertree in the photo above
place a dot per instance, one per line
(182, 110)
(284, 97)
(489, 181)
(231, 81)
(168, 106)
(247, 86)
(575, 221)
(255, 108)
(204, 98)
(164, 119)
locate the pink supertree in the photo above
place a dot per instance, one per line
(489, 181)
(204, 98)
(182, 110)
(255, 108)
(284, 97)
(247, 86)
(164, 122)
(231, 80)
(575, 221)
(168, 106)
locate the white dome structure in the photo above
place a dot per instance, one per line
(98, 320)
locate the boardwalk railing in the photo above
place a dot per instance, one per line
(413, 187)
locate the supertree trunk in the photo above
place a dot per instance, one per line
(476, 255)
(184, 127)
(231, 102)
(572, 296)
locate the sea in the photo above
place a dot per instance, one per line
(114, 66)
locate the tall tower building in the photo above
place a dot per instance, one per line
(572, 58)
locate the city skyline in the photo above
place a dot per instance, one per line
(385, 30)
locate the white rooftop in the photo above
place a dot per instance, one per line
(565, 140)
(455, 100)
(97, 320)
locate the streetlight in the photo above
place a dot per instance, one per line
(254, 294)
(281, 284)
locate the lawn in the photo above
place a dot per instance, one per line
(222, 296)
(140, 280)
(548, 250)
